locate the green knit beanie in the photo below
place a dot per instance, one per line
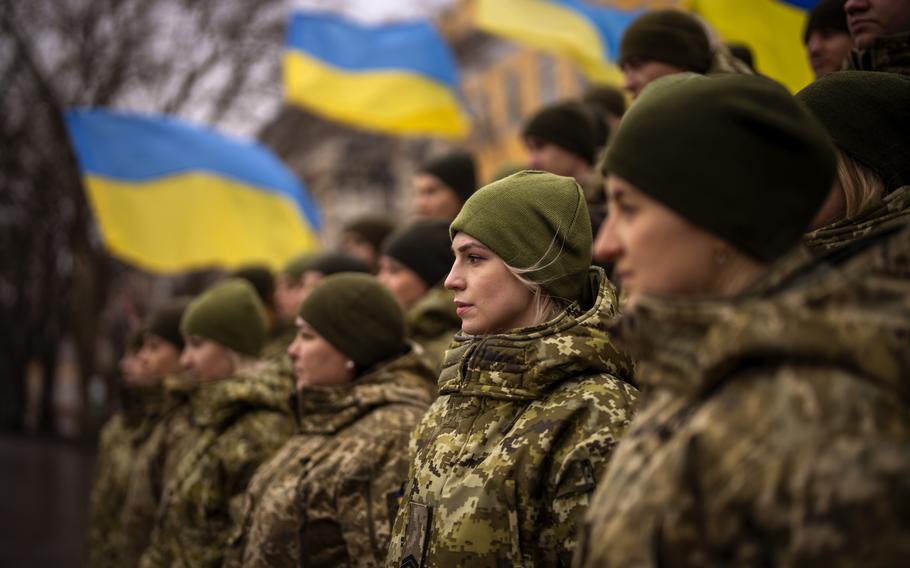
(457, 170)
(374, 229)
(164, 321)
(424, 247)
(736, 155)
(534, 219)
(333, 262)
(229, 313)
(569, 125)
(358, 316)
(868, 116)
(668, 36)
(295, 267)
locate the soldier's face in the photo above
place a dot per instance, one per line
(158, 357)
(433, 199)
(549, 157)
(358, 247)
(288, 296)
(207, 360)
(401, 281)
(638, 74)
(488, 297)
(827, 50)
(869, 19)
(655, 251)
(316, 361)
(131, 370)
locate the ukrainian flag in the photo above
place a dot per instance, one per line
(585, 33)
(397, 78)
(772, 28)
(170, 197)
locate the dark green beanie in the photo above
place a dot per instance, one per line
(295, 267)
(374, 229)
(358, 316)
(569, 125)
(457, 170)
(606, 99)
(262, 280)
(334, 262)
(424, 247)
(534, 219)
(868, 116)
(827, 16)
(164, 321)
(229, 313)
(736, 155)
(668, 36)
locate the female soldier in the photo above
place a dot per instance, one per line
(533, 396)
(327, 498)
(867, 115)
(774, 433)
(236, 418)
(414, 262)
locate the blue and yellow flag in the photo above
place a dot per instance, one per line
(772, 28)
(583, 32)
(169, 196)
(397, 78)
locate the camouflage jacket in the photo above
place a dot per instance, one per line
(120, 441)
(276, 349)
(776, 432)
(893, 210)
(890, 54)
(324, 499)
(233, 426)
(432, 322)
(506, 459)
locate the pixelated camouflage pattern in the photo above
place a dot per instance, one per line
(507, 457)
(776, 431)
(890, 54)
(276, 349)
(231, 427)
(324, 498)
(893, 210)
(120, 440)
(432, 322)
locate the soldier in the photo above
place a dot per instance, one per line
(328, 496)
(776, 430)
(326, 264)
(362, 238)
(867, 115)
(533, 396)
(413, 265)
(881, 34)
(827, 37)
(237, 417)
(288, 296)
(443, 184)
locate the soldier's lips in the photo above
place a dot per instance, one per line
(462, 307)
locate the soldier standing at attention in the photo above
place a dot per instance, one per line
(237, 417)
(328, 496)
(776, 431)
(413, 265)
(532, 394)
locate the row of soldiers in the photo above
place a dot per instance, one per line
(491, 398)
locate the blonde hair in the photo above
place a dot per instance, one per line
(546, 306)
(862, 187)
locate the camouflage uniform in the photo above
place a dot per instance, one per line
(324, 499)
(507, 457)
(137, 518)
(432, 322)
(776, 432)
(233, 426)
(120, 440)
(276, 349)
(893, 210)
(890, 54)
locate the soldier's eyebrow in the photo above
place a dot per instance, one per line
(467, 246)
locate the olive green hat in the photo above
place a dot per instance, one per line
(295, 267)
(229, 313)
(569, 125)
(374, 229)
(457, 169)
(668, 36)
(358, 316)
(534, 220)
(736, 155)
(164, 321)
(868, 116)
(424, 248)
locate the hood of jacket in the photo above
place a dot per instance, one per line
(894, 209)
(404, 380)
(433, 315)
(525, 364)
(258, 386)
